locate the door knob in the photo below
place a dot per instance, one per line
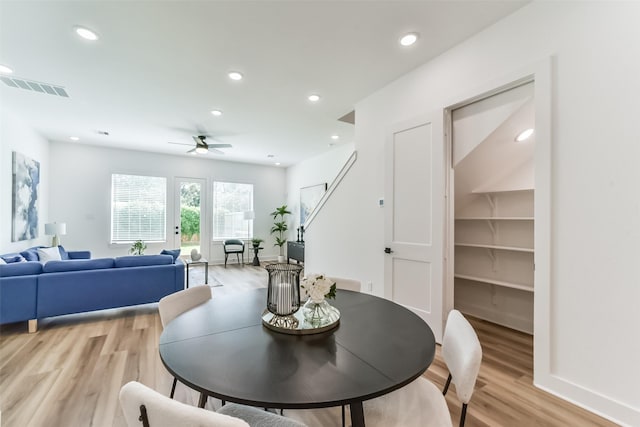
(387, 250)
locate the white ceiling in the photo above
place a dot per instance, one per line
(160, 67)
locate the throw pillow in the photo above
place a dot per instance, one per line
(175, 253)
(13, 258)
(2, 261)
(30, 254)
(64, 255)
(49, 254)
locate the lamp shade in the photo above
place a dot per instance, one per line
(55, 229)
(248, 215)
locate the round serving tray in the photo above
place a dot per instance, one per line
(296, 324)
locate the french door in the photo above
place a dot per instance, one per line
(190, 222)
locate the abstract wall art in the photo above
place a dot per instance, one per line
(26, 183)
(309, 198)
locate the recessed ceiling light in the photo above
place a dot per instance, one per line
(277, 163)
(86, 33)
(409, 39)
(524, 135)
(216, 113)
(314, 98)
(201, 150)
(334, 137)
(5, 70)
(234, 75)
(74, 138)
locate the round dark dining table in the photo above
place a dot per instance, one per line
(221, 349)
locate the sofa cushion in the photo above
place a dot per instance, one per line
(12, 258)
(142, 260)
(175, 253)
(49, 254)
(20, 269)
(77, 264)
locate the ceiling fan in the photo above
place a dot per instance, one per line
(202, 147)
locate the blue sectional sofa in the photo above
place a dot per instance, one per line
(33, 290)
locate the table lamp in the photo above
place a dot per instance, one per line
(55, 229)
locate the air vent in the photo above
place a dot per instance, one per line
(45, 88)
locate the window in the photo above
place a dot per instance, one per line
(230, 202)
(138, 208)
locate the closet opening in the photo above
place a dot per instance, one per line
(492, 189)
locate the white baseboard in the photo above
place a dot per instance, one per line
(604, 406)
(505, 319)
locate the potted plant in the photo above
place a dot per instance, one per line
(280, 228)
(138, 248)
(255, 242)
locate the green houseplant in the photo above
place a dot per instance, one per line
(280, 228)
(255, 242)
(138, 248)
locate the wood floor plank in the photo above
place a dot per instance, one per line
(70, 372)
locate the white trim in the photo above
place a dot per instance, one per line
(540, 73)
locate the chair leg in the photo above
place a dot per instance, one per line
(173, 387)
(202, 401)
(225, 260)
(446, 386)
(463, 415)
(238, 257)
(343, 425)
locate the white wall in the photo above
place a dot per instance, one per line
(81, 192)
(595, 282)
(316, 170)
(15, 135)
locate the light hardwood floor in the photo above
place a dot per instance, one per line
(70, 372)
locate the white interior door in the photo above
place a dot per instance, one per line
(189, 229)
(414, 192)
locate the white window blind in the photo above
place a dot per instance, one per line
(230, 201)
(138, 208)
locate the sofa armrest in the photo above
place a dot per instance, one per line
(79, 254)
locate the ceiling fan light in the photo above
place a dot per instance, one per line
(201, 150)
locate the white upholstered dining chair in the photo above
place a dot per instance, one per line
(144, 407)
(462, 354)
(421, 403)
(177, 303)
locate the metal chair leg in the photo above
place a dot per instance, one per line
(173, 387)
(446, 386)
(343, 425)
(463, 415)
(202, 401)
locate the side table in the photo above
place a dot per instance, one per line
(256, 260)
(189, 262)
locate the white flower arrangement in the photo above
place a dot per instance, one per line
(318, 287)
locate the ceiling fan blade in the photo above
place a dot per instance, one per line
(180, 143)
(193, 150)
(213, 150)
(219, 146)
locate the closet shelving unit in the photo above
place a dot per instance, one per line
(494, 251)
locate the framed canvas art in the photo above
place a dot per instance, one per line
(309, 198)
(26, 183)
